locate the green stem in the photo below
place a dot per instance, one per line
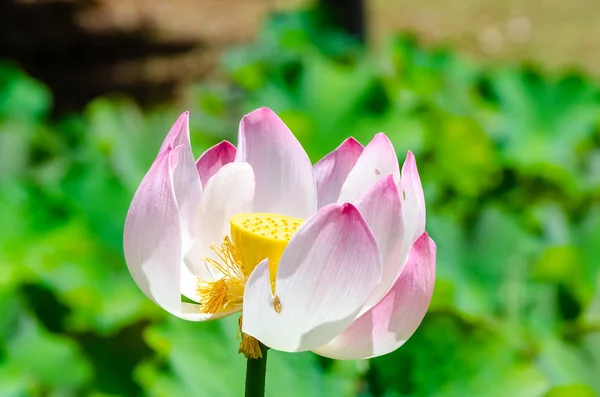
(256, 372)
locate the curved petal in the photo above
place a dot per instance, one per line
(376, 161)
(186, 182)
(325, 275)
(332, 170)
(213, 159)
(229, 192)
(382, 210)
(283, 172)
(152, 236)
(396, 317)
(413, 201)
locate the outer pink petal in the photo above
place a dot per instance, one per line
(152, 236)
(413, 201)
(382, 210)
(229, 192)
(178, 133)
(376, 161)
(396, 317)
(332, 170)
(185, 179)
(283, 172)
(325, 275)
(213, 159)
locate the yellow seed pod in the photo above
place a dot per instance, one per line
(257, 236)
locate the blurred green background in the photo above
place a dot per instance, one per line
(509, 157)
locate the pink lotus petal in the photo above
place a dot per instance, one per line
(377, 160)
(396, 317)
(178, 134)
(213, 159)
(152, 236)
(332, 170)
(186, 182)
(382, 210)
(413, 201)
(325, 275)
(283, 172)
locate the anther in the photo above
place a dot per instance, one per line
(277, 304)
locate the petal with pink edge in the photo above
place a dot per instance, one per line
(213, 159)
(396, 317)
(332, 170)
(178, 134)
(186, 183)
(152, 237)
(283, 172)
(229, 192)
(413, 201)
(325, 275)
(377, 160)
(382, 210)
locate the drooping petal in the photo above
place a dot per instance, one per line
(413, 201)
(213, 159)
(152, 236)
(377, 160)
(186, 182)
(382, 210)
(230, 191)
(283, 172)
(332, 170)
(396, 317)
(325, 275)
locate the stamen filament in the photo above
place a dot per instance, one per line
(227, 292)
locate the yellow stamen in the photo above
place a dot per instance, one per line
(249, 346)
(227, 292)
(257, 236)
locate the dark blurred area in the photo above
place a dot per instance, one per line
(148, 49)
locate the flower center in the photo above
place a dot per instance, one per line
(254, 237)
(257, 236)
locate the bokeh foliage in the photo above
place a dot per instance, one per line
(510, 162)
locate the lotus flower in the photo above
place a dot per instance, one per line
(332, 258)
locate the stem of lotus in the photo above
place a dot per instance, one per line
(256, 371)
